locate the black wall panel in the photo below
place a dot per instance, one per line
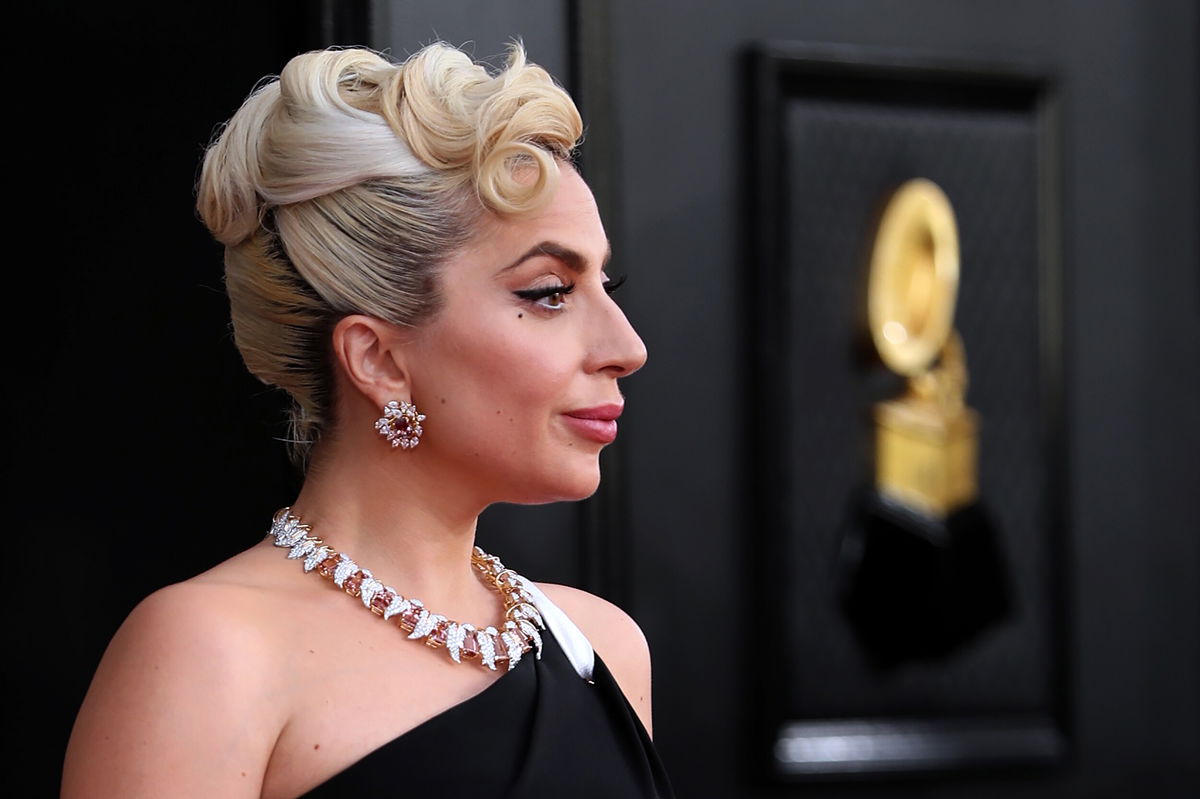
(836, 131)
(1107, 485)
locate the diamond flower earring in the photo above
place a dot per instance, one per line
(401, 424)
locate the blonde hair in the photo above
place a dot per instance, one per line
(342, 187)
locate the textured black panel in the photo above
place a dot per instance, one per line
(843, 159)
(835, 141)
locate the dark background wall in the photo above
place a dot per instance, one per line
(144, 454)
(1125, 74)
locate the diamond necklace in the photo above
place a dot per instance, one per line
(489, 646)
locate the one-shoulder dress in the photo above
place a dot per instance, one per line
(558, 726)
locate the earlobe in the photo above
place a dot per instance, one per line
(370, 354)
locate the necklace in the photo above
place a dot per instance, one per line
(489, 646)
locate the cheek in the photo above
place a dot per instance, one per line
(514, 380)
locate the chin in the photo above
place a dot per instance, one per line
(586, 481)
(568, 485)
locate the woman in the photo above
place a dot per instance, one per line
(412, 256)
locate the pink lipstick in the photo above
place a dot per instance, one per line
(598, 423)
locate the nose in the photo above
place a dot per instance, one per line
(617, 348)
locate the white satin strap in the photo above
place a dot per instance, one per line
(571, 639)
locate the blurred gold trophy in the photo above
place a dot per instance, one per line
(926, 441)
(922, 572)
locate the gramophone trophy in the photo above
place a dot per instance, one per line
(921, 569)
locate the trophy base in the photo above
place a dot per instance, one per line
(915, 586)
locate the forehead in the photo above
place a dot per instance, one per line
(569, 218)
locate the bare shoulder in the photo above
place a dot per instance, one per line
(612, 631)
(176, 706)
(615, 636)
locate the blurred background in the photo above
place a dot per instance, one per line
(1035, 633)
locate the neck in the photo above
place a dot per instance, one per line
(393, 513)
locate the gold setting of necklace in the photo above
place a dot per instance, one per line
(488, 646)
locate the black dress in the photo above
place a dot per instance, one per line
(540, 730)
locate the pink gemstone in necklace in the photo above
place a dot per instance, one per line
(410, 617)
(380, 602)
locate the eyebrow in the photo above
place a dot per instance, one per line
(573, 259)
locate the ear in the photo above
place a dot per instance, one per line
(371, 354)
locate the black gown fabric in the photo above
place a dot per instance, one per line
(540, 730)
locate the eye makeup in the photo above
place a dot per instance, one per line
(541, 293)
(533, 295)
(612, 285)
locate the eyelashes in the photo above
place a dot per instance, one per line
(612, 285)
(538, 295)
(533, 295)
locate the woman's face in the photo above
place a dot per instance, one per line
(527, 345)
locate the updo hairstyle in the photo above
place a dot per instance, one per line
(344, 185)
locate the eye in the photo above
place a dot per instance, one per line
(550, 297)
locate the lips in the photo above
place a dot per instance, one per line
(598, 423)
(607, 413)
